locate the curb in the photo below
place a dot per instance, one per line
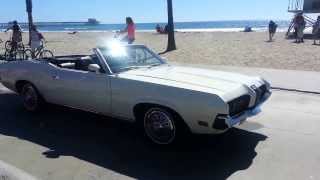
(295, 90)
(8, 172)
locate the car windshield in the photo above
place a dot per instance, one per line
(125, 58)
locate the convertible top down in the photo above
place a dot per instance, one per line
(133, 83)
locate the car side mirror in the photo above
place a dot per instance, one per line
(94, 68)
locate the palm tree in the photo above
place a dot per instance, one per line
(171, 40)
(30, 19)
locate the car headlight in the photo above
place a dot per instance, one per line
(268, 85)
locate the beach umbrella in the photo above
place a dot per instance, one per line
(30, 19)
(171, 40)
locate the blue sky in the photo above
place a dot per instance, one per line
(114, 11)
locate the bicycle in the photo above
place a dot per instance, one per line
(14, 52)
(8, 45)
(41, 52)
(1, 55)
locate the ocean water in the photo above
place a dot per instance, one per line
(227, 26)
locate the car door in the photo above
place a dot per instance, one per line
(84, 90)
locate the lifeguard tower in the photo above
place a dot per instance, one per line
(306, 7)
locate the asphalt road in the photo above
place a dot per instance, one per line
(282, 142)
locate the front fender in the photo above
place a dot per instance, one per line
(198, 107)
(193, 106)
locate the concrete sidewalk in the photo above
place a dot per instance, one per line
(305, 81)
(8, 172)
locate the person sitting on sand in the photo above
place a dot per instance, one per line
(272, 30)
(247, 29)
(73, 32)
(158, 28)
(16, 35)
(130, 29)
(36, 38)
(316, 31)
(161, 30)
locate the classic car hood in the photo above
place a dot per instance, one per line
(218, 80)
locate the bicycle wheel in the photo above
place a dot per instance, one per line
(46, 54)
(10, 56)
(21, 46)
(27, 54)
(20, 55)
(8, 45)
(6, 56)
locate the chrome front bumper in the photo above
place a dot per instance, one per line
(239, 119)
(242, 117)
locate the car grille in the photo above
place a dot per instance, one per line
(260, 92)
(239, 105)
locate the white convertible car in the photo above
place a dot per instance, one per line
(133, 83)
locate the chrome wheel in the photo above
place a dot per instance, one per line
(159, 126)
(30, 98)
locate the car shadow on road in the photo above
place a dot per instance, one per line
(117, 146)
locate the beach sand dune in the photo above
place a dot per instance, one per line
(214, 48)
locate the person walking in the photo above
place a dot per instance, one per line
(316, 31)
(130, 30)
(272, 30)
(300, 25)
(16, 35)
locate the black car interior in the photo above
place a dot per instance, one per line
(77, 62)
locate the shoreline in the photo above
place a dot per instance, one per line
(263, 29)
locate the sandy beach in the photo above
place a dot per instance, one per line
(213, 48)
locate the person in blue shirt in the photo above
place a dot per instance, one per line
(272, 30)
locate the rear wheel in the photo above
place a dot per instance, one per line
(20, 54)
(10, 56)
(46, 54)
(32, 100)
(8, 45)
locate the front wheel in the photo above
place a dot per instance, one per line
(161, 126)
(46, 54)
(32, 100)
(28, 54)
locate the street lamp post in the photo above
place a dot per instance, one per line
(171, 39)
(30, 19)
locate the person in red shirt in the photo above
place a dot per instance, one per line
(131, 30)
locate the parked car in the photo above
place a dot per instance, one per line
(133, 83)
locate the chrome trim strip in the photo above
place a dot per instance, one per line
(103, 61)
(240, 118)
